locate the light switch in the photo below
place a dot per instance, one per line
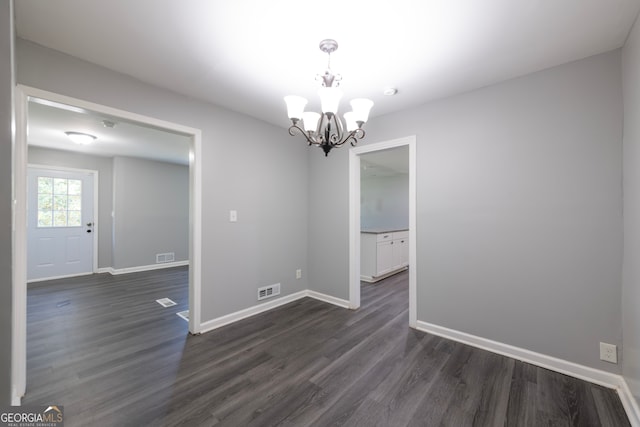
(233, 216)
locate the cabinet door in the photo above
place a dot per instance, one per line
(404, 251)
(384, 257)
(397, 254)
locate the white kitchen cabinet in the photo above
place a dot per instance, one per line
(383, 254)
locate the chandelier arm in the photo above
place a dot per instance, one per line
(336, 136)
(310, 140)
(353, 137)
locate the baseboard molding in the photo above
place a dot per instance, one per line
(230, 318)
(219, 322)
(116, 271)
(328, 298)
(66, 276)
(596, 376)
(586, 373)
(629, 402)
(16, 399)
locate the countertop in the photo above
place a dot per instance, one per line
(382, 230)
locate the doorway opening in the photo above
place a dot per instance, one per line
(24, 96)
(355, 220)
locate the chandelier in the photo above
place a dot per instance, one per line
(326, 130)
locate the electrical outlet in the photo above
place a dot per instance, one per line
(298, 274)
(608, 352)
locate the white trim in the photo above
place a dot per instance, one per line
(19, 309)
(216, 323)
(195, 231)
(230, 318)
(18, 345)
(586, 373)
(582, 372)
(96, 218)
(139, 268)
(354, 221)
(19, 333)
(63, 276)
(629, 403)
(329, 299)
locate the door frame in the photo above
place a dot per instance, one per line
(354, 221)
(19, 299)
(96, 217)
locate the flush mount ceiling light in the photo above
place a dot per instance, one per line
(81, 138)
(326, 130)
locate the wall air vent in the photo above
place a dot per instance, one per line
(167, 257)
(268, 291)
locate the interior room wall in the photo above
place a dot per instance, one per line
(46, 156)
(631, 183)
(519, 210)
(248, 165)
(6, 238)
(384, 202)
(151, 211)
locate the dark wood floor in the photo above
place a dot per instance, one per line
(102, 347)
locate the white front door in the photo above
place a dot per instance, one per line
(60, 223)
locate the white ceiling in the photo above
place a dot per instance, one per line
(48, 123)
(246, 55)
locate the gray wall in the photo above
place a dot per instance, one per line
(631, 270)
(248, 165)
(151, 211)
(6, 118)
(45, 156)
(519, 210)
(384, 202)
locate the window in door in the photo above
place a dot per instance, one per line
(59, 202)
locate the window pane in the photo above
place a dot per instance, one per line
(45, 219)
(45, 202)
(45, 185)
(75, 187)
(59, 186)
(59, 203)
(75, 219)
(74, 203)
(60, 219)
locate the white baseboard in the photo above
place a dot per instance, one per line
(586, 373)
(629, 402)
(210, 325)
(328, 298)
(116, 271)
(597, 376)
(66, 276)
(16, 399)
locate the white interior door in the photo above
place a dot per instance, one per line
(60, 229)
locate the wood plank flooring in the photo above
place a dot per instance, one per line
(101, 346)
